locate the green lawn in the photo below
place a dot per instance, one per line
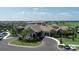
(66, 23)
(72, 23)
(24, 43)
(77, 48)
(70, 41)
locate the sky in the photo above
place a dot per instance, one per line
(39, 13)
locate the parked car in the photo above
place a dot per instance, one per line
(73, 48)
(70, 48)
(4, 34)
(1, 37)
(67, 47)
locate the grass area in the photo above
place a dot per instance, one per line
(51, 22)
(65, 23)
(77, 48)
(24, 43)
(72, 23)
(70, 41)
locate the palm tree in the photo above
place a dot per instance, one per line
(74, 34)
(13, 31)
(20, 37)
(61, 40)
(60, 33)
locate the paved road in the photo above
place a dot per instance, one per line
(49, 45)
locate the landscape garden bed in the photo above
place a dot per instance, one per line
(24, 43)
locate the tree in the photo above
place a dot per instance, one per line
(20, 37)
(74, 34)
(61, 35)
(13, 30)
(26, 32)
(53, 32)
(61, 41)
(73, 39)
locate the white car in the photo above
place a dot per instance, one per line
(73, 48)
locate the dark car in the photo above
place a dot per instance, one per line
(67, 47)
(1, 37)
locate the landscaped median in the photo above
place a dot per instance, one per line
(24, 43)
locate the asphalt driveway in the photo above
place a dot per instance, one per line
(48, 45)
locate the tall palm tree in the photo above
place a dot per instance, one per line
(60, 32)
(74, 34)
(61, 40)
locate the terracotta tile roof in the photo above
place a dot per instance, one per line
(39, 28)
